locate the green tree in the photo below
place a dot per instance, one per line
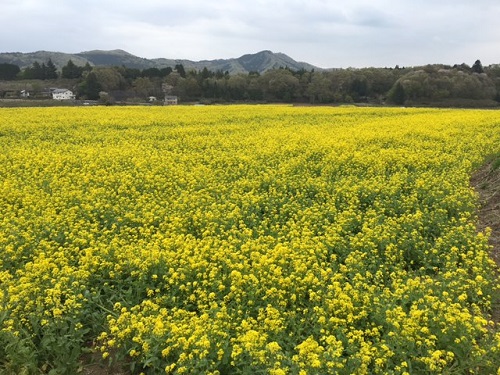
(280, 84)
(380, 81)
(35, 71)
(319, 89)
(173, 79)
(50, 70)
(129, 74)
(166, 71)
(71, 71)
(9, 72)
(359, 87)
(143, 87)
(493, 72)
(477, 67)
(397, 95)
(87, 67)
(109, 78)
(340, 84)
(188, 89)
(151, 72)
(90, 87)
(255, 87)
(180, 69)
(237, 86)
(205, 73)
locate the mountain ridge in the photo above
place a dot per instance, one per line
(256, 62)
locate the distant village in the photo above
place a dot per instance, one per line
(67, 95)
(49, 93)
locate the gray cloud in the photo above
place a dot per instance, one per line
(325, 33)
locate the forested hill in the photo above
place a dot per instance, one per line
(258, 62)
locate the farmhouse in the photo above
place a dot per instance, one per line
(170, 100)
(62, 94)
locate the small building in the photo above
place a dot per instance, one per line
(170, 100)
(24, 94)
(152, 99)
(62, 94)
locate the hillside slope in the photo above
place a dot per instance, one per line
(257, 62)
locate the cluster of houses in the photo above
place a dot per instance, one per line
(66, 94)
(53, 93)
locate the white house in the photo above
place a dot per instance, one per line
(62, 94)
(170, 100)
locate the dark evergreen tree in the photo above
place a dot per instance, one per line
(87, 67)
(71, 71)
(43, 74)
(205, 73)
(180, 69)
(27, 73)
(90, 87)
(477, 67)
(38, 71)
(9, 72)
(219, 74)
(151, 73)
(50, 70)
(130, 74)
(166, 71)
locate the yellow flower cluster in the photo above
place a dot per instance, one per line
(247, 239)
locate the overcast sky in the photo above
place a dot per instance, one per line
(328, 34)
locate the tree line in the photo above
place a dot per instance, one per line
(431, 84)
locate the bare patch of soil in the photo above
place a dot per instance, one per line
(486, 181)
(93, 364)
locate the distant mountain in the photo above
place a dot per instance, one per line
(257, 62)
(26, 59)
(116, 57)
(269, 60)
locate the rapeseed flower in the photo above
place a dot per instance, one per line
(248, 239)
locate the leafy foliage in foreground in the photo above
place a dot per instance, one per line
(243, 240)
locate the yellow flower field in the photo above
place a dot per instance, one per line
(245, 240)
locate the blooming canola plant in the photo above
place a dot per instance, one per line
(246, 239)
